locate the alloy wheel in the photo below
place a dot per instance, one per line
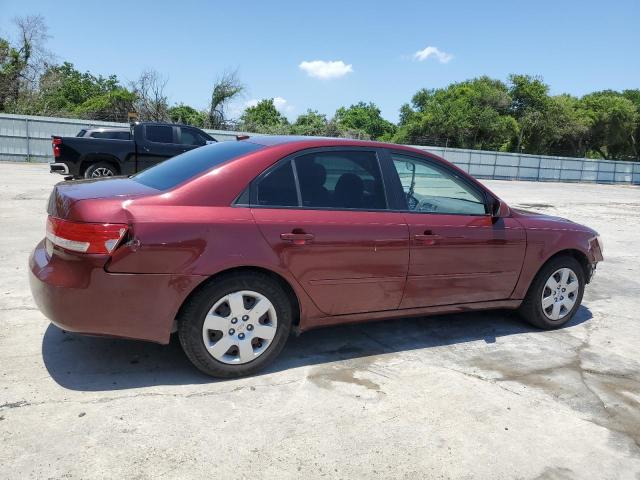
(239, 327)
(560, 293)
(101, 172)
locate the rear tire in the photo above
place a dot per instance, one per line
(555, 293)
(235, 325)
(100, 170)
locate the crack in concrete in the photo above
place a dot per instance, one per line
(24, 403)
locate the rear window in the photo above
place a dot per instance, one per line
(176, 170)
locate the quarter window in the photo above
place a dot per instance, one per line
(431, 189)
(278, 188)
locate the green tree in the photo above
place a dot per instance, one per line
(264, 117)
(569, 134)
(612, 124)
(634, 96)
(185, 114)
(470, 114)
(66, 91)
(364, 117)
(310, 123)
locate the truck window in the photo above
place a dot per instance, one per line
(190, 136)
(159, 133)
(111, 135)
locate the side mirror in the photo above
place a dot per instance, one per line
(494, 208)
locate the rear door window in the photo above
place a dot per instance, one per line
(341, 180)
(159, 133)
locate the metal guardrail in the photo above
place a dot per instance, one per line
(26, 138)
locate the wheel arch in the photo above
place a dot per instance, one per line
(579, 255)
(286, 286)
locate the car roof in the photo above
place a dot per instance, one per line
(309, 142)
(303, 142)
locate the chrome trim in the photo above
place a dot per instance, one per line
(62, 171)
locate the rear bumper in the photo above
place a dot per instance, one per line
(78, 295)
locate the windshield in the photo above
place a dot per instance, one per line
(176, 170)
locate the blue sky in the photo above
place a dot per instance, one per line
(576, 46)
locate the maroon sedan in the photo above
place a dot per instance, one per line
(235, 244)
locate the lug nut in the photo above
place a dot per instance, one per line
(234, 320)
(231, 331)
(245, 318)
(564, 289)
(249, 327)
(241, 336)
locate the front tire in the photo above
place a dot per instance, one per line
(555, 294)
(235, 325)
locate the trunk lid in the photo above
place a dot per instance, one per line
(95, 200)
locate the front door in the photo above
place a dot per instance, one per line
(459, 254)
(325, 214)
(159, 143)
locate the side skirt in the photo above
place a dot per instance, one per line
(319, 322)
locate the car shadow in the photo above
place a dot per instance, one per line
(83, 363)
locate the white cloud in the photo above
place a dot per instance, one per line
(251, 103)
(282, 105)
(326, 70)
(442, 57)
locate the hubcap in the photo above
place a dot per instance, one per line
(560, 293)
(234, 342)
(101, 172)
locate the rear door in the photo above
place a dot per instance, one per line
(158, 143)
(326, 215)
(459, 253)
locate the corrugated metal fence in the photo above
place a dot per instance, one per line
(28, 138)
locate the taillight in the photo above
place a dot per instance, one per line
(55, 143)
(85, 237)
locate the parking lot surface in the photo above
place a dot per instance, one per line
(478, 395)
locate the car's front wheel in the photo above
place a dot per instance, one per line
(235, 325)
(555, 294)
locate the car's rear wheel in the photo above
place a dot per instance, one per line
(555, 294)
(99, 170)
(235, 325)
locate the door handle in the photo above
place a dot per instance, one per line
(427, 238)
(297, 238)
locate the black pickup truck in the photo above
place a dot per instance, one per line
(151, 143)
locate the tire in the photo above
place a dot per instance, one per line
(561, 305)
(241, 328)
(100, 170)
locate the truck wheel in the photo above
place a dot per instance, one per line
(101, 169)
(235, 325)
(555, 294)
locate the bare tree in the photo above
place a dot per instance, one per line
(151, 101)
(226, 88)
(22, 62)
